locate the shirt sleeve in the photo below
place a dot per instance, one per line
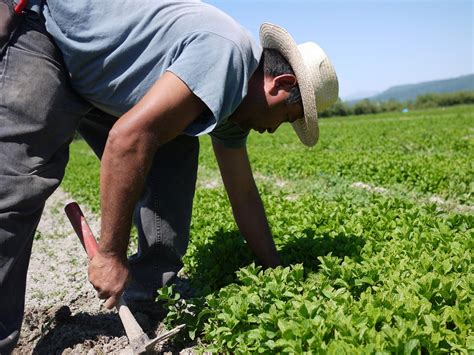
(229, 135)
(217, 71)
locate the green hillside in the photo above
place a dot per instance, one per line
(411, 91)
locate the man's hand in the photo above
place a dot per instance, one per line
(109, 275)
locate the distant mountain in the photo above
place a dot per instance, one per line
(359, 95)
(411, 91)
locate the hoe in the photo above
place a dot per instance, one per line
(139, 342)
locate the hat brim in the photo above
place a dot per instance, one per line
(275, 37)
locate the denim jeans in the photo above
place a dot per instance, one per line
(39, 114)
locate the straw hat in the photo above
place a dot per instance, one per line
(316, 77)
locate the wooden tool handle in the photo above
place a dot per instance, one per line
(138, 339)
(81, 227)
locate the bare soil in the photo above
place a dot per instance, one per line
(62, 312)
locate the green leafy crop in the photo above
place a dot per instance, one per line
(385, 268)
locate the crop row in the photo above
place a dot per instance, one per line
(431, 152)
(360, 274)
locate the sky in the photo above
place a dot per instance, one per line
(373, 45)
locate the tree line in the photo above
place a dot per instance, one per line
(363, 107)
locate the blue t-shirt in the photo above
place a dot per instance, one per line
(116, 50)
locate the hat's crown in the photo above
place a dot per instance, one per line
(316, 77)
(323, 75)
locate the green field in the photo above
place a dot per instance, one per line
(374, 226)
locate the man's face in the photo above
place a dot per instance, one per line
(276, 109)
(276, 114)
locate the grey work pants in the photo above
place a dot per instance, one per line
(39, 114)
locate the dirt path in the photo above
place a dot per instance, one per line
(63, 314)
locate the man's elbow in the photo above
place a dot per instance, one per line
(125, 142)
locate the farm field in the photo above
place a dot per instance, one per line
(375, 227)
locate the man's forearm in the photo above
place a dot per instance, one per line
(250, 216)
(246, 203)
(124, 167)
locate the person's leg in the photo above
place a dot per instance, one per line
(163, 218)
(94, 128)
(38, 117)
(163, 214)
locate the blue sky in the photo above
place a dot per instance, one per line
(373, 44)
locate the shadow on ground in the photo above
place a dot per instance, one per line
(307, 248)
(56, 331)
(217, 261)
(82, 328)
(60, 332)
(213, 263)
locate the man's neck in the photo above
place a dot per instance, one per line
(251, 104)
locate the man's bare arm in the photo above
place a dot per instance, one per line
(161, 115)
(247, 205)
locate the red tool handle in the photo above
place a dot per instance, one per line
(20, 6)
(82, 229)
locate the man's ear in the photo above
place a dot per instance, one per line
(283, 82)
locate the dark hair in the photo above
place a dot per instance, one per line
(274, 64)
